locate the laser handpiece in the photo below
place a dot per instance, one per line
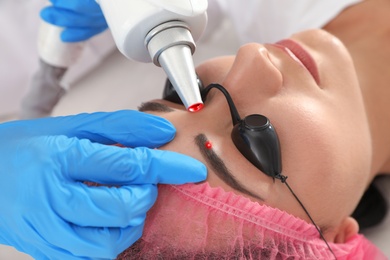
(162, 32)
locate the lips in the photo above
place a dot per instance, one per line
(303, 56)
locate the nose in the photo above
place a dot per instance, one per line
(253, 74)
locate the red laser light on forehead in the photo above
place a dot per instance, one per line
(208, 145)
(195, 107)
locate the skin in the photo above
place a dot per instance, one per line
(333, 133)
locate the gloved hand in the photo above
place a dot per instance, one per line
(81, 19)
(46, 209)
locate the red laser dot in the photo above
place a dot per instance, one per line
(195, 107)
(208, 145)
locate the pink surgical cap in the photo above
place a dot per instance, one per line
(196, 221)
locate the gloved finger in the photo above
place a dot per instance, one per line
(80, 6)
(20, 244)
(112, 242)
(65, 18)
(108, 242)
(128, 127)
(78, 35)
(32, 244)
(47, 251)
(116, 207)
(89, 242)
(86, 161)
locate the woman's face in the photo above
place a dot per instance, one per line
(314, 102)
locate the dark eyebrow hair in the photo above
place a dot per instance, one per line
(155, 107)
(220, 168)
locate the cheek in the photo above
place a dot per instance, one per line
(326, 158)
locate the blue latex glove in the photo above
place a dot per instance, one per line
(81, 19)
(46, 209)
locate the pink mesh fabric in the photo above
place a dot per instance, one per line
(199, 222)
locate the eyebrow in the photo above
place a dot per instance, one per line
(209, 154)
(220, 167)
(154, 107)
(215, 161)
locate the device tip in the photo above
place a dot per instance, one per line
(195, 107)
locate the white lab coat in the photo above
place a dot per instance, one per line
(253, 20)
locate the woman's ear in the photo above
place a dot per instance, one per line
(348, 228)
